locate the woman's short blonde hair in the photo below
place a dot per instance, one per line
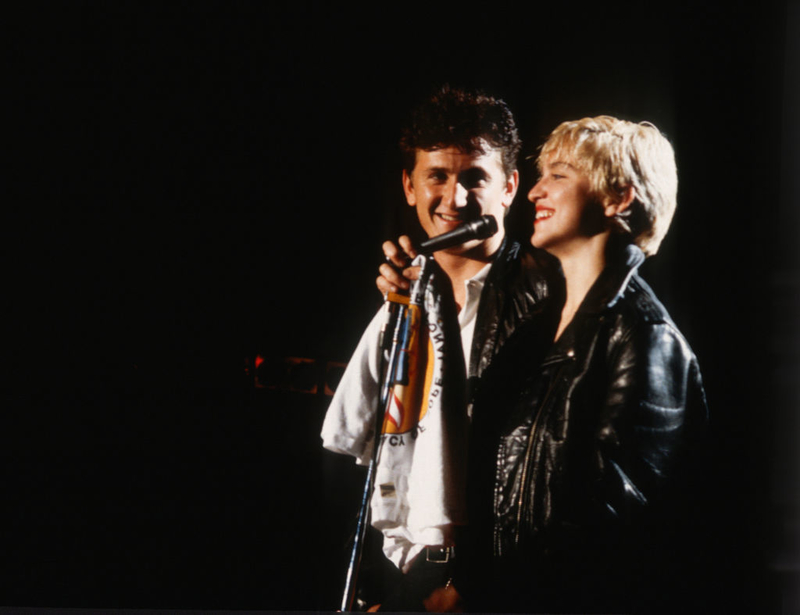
(617, 154)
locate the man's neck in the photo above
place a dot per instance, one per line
(460, 268)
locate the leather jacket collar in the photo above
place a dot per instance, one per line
(612, 281)
(606, 291)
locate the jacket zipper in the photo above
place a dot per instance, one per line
(529, 452)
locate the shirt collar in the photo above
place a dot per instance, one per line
(473, 287)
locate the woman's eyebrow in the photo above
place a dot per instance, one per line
(559, 163)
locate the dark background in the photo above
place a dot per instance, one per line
(192, 184)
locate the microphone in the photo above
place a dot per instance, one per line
(482, 228)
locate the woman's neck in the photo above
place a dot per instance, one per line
(581, 266)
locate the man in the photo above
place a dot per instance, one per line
(460, 153)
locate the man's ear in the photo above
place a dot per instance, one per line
(614, 207)
(408, 188)
(512, 184)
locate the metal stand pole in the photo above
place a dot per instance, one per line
(396, 373)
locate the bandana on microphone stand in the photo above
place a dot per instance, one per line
(420, 481)
(420, 478)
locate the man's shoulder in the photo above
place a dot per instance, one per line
(514, 250)
(522, 264)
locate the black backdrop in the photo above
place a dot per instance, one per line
(195, 183)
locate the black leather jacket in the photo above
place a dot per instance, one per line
(588, 449)
(523, 289)
(520, 291)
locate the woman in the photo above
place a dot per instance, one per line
(588, 480)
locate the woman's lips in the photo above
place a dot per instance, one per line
(542, 213)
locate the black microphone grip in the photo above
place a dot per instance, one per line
(482, 228)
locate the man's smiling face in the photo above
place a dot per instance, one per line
(449, 187)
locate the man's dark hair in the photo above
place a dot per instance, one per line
(468, 120)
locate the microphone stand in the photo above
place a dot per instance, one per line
(400, 322)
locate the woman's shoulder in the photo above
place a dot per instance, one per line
(640, 304)
(644, 335)
(640, 315)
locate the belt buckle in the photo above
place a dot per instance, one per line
(444, 552)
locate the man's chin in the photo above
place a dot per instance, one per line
(477, 249)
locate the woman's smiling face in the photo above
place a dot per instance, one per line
(566, 213)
